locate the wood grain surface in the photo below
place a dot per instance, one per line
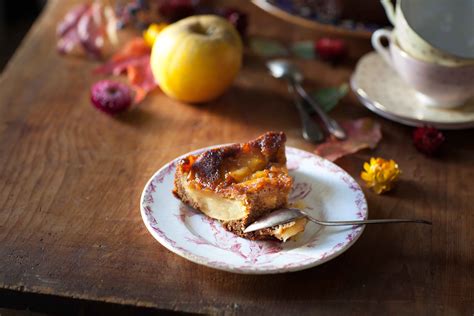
(71, 179)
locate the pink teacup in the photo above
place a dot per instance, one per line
(436, 85)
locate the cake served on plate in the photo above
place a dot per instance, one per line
(237, 184)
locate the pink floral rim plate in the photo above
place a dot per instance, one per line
(328, 192)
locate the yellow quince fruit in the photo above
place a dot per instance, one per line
(196, 59)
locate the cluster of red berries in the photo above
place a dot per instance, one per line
(331, 49)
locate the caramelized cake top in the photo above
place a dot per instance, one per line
(237, 163)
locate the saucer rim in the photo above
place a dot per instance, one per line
(381, 110)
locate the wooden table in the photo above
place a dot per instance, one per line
(71, 178)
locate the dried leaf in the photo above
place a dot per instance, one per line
(111, 25)
(361, 133)
(141, 78)
(71, 19)
(90, 29)
(136, 47)
(67, 29)
(87, 29)
(328, 98)
(267, 47)
(133, 60)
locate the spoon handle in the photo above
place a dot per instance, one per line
(332, 126)
(369, 221)
(310, 129)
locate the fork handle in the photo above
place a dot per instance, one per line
(331, 125)
(310, 129)
(368, 221)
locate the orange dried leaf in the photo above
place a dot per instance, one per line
(134, 61)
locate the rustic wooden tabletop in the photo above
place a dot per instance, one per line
(71, 179)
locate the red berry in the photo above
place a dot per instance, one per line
(238, 19)
(111, 97)
(331, 49)
(428, 140)
(174, 10)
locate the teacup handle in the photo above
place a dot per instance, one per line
(377, 44)
(389, 10)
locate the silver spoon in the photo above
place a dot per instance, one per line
(283, 69)
(286, 215)
(310, 129)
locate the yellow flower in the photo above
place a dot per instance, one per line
(380, 174)
(152, 32)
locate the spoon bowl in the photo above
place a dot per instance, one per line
(282, 69)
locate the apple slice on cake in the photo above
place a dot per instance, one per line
(237, 184)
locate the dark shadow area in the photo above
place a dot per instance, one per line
(16, 18)
(19, 303)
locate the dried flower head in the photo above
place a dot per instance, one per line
(380, 174)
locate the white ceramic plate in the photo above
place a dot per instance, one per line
(382, 91)
(328, 192)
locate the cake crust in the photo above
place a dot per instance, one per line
(209, 168)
